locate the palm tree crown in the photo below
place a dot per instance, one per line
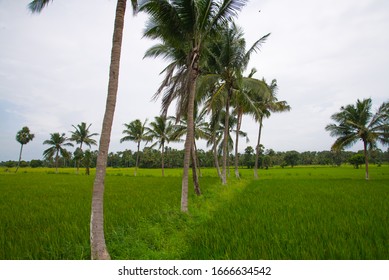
(57, 141)
(81, 135)
(23, 136)
(357, 122)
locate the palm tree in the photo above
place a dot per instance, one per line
(98, 246)
(227, 62)
(23, 136)
(87, 161)
(81, 135)
(135, 131)
(184, 26)
(267, 105)
(160, 130)
(244, 103)
(57, 141)
(359, 123)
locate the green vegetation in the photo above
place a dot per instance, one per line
(289, 213)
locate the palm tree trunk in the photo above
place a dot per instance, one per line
(137, 159)
(20, 158)
(56, 161)
(225, 142)
(216, 159)
(190, 130)
(366, 160)
(198, 167)
(194, 172)
(238, 125)
(97, 239)
(163, 162)
(257, 149)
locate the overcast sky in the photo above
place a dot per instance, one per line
(54, 68)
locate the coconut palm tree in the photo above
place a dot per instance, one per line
(160, 130)
(98, 246)
(357, 122)
(244, 103)
(57, 142)
(183, 27)
(135, 131)
(23, 136)
(81, 135)
(227, 62)
(267, 105)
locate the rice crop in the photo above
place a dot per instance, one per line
(290, 213)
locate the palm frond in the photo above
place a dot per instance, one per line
(37, 6)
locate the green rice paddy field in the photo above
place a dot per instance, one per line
(292, 213)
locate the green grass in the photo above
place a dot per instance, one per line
(291, 213)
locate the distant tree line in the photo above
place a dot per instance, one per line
(151, 158)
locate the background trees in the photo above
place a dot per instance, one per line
(160, 130)
(57, 142)
(135, 131)
(23, 136)
(357, 122)
(81, 135)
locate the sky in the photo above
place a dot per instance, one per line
(54, 69)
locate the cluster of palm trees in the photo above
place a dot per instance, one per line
(58, 141)
(206, 50)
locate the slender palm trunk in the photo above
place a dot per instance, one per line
(78, 161)
(196, 184)
(97, 239)
(240, 115)
(257, 149)
(137, 159)
(56, 161)
(225, 142)
(190, 130)
(216, 159)
(163, 160)
(20, 158)
(198, 167)
(366, 160)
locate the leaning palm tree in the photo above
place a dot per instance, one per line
(98, 246)
(135, 131)
(23, 136)
(183, 27)
(81, 135)
(160, 130)
(57, 142)
(267, 105)
(357, 122)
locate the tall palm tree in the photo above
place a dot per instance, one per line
(244, 103)
(98, 246)
(160, 130)
(267, 105)
(57, 141)
(135, 131)
(23, 136)
(227, 62)
(357, 122)
(184, 26)
(81, 135)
